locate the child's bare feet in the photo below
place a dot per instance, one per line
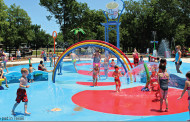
(166, 110)
(26, 113)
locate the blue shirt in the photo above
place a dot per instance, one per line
(177, 57)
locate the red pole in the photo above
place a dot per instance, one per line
(54, 37)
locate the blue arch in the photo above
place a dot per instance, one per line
(85, 46)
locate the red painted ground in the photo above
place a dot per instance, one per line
(130, 101)
(110, 68)
(83, 64)
(99, 83)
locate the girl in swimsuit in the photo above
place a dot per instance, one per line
(2, 75)
(116, 74)
(136, 57)
(163, 79)
(187, 87)
(73, 57)
(95, 74)
(4, 57)
(178, 60)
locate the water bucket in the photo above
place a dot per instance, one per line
(112, 9)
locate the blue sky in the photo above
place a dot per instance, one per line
(38, 14)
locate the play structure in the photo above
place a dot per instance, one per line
(113, 12)
(96, 43)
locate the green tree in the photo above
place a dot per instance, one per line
(3, 22)
(19, 27)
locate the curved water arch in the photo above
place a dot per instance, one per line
(84, 45)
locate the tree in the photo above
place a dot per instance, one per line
(77, 31)
(19, 27)
(3, 22)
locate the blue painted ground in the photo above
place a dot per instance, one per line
(44, 96)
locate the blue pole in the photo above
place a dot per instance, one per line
(118, 44)
(107, 33)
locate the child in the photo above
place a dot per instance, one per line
(95, 74)
(154, 82)
(157, 60)
(2, 76)
(51, 58)
(31, 75)
(141, 60)
(187, 87)
(162, 61)
(42, 67)
(106, 67)
(135, 57)
(112, 63)
(163, 79)
(178, 60)
(45, 56)
(4, 58)
(21, 91)
(116, 74)
(12, 59)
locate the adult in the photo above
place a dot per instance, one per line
(135, 57)
(4, 58)
(96, 59)
(42, 67)
(18, 55)
(73, 56)
(51, 58)
(42, 54)
(178, 60)
(147, 51)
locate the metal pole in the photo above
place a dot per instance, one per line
(108, 33)
(118, 44)
(105, 34)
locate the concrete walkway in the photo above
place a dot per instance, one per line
(37, 60)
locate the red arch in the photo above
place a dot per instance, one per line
(106, 44)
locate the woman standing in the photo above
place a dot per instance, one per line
(18, 55)
(178, 60)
